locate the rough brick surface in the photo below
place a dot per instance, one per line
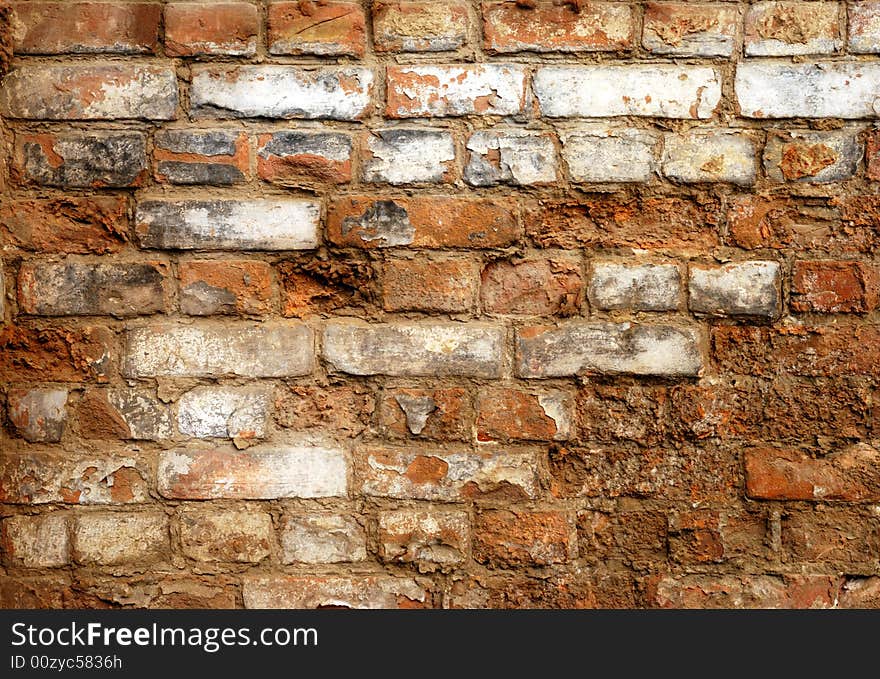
(439, 304)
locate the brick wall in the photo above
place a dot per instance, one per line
(425, 304)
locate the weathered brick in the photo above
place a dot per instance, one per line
(196, 29)
(746, 591)
(224, 412)
(145, 417)
(414, 349)
(707, 536)
(346, 411)
(864, 27)
(74, 288)
(69, 225)
(241, 535)
(718, 156)
(837, 538)
(797, 349)
(325, 29)
(599, 91)
(294, 158)
(849, 475)
(44, 592)
(75, 160)
(216, 349)
(447, 476)
(860, 593)
(429, 539)
(504, 539)
(327, 284)
(365, 591)
(210, 287)
(424, 221)
(218, 157)
(514, 415)
(779, 89)
(262, 473)
(536, 286)
(791, 28)
(35, 541)
(835, 286)
(440, 285)
(38, 414)
(439, 414)
(434, 91)
(812, 156)
(697, 474)
(116, 539)
(281, 224)
(637, 538)
(90, 92)
(578, 347)
(603, 153)
(157, 589)
(420, 26)
(641, 287)
(579, 590)
(872, 154)
(645, 222)
(409, 156)
(39, 477)
(56, 354)
(85, 27)
(737, 289)
(614, 412)
(337, 93)
(591, 27)
(514, 157)
(689, 30)
(322, 538)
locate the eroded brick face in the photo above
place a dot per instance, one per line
(444, 304)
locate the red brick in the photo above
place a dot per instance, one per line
(56, 354)
(533, 287)
(425, 221)
(85, 27)
(438, 414)
(511, 414)
(303, 158)
(581, 590)
(808, 350)
(756, 222)
(64, 225)
(746, 591)
(193, 28)
(849, 475)
(45, 592)
(711, 536)
(505, 539)
(420, 26)
(226, 287)
(834, 287)
(872, 153)
(557, 27)
(322, 28)
(423, 284)
(314, 285)
(634, 538)
(611, 221)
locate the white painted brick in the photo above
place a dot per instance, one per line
(511, 157)
(578, 347)
(322, 538)
(281, 224)
(781, 89)
(603, 153)
(643, 287)
(223, 412)
(260, 473)
(864, 27)
(414, 349)
(656, 90)
(215, 349)
(709, 157)
(408, 156)
(430, 91)
(262, 91)
(736, 289)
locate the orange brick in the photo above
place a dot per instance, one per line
(321, 28)
(226, 287)
(442, 285)
(194, 28)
